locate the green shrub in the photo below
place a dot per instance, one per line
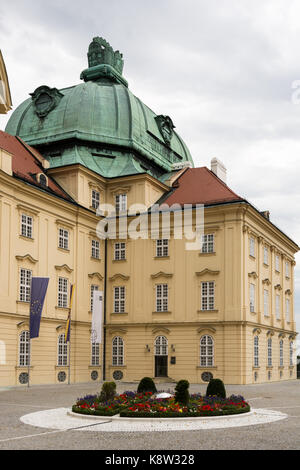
(146, 385)
(108, 391)
(216, 387)
(182, 395)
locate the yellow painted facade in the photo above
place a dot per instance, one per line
(248, 250)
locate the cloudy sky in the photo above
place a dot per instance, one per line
(224, 70)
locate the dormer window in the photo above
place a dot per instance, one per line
(42, 179)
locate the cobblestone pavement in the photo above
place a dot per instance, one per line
(281, 435)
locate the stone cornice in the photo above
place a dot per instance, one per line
(207, 271)
(119, 276)
(98, 275)
(253, 275)
(64, 267)
(26, 257)
(161, 274)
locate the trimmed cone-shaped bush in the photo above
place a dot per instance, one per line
(146, 385)
(216, 387)
(182, 395)
(108, 391)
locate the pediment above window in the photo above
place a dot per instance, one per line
(27, 257)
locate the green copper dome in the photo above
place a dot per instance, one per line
(99, 123)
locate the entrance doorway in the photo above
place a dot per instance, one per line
(161, 357)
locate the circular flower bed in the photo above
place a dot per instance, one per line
(146, 405)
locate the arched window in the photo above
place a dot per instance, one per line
(118, 351)
(24, 349)
(281, 353)
(62, 357)
(161, 346)
(256, 351)
(206, 351)
(269, 352)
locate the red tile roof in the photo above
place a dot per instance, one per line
(199, 186)
(27, 162)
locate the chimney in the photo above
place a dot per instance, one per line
(218, 168)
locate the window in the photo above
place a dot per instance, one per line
(287, 269)
(269, 352)
(208, 296)
(62, 292)
(95, 359)
(161, 346)
(25, 285)
(281, 353)
(95, 199)
(291, 353)
(118, 351)
(252, 298)
(266, 255)
(277, 306)
(120, 251)
(266, 303)
(277, 263)
(252, 247)
(162, 248)
(95, 249)
(62, 356)
(93, 288)
(63, 239)
(121, 202)
(24, 359)
(208, 243)
(256, 351)
(287, 310)
(119, 299)
(26, 226)
(206, 351)
(162, 298)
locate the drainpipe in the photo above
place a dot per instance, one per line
(104, 312)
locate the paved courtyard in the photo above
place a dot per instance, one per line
(17, 402)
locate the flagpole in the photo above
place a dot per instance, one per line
(29, 353)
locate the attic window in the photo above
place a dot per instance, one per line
(42, 179)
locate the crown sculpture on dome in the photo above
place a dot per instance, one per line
(104, 62)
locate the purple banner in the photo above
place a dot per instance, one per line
(39, 287)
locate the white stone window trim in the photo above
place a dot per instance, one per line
(117, 351)
(25, 285)
(207, 353)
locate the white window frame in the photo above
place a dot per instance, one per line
(269, 352)
(63, 289)
(266, 303)
(162, 248)
(62, 351)
(252, 247)
(287, 269)
(117, 351)
(95, 199)
(281, 353)
(161, 346)
(277, 306)
(93, 289)
(208, 295)
(95, 249)
(266, 255)
(208, 243)
(121, 202)
(26, 226)
(287, 310)
(252, 297)
(120, 251)
(256, 351)
(277, 263)
(63, 238)
(207, 353)
(119, 299)
(95, 354)
(24, 353)
(162, 297)
(25, 285)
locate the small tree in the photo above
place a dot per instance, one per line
(182, 395)
(146, 385)
(108, 391)
(216, 387)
